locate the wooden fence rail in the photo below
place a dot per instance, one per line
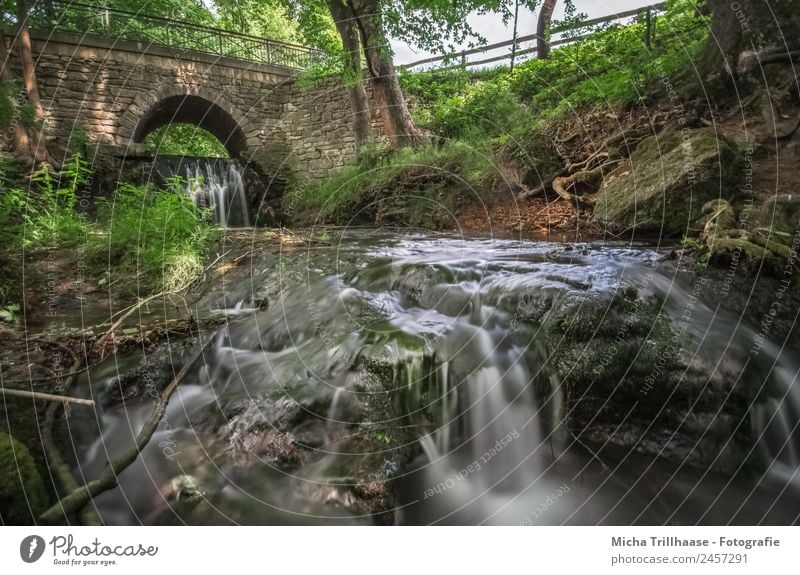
(649, 11)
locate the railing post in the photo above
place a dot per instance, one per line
(219, 35)
(648, 27)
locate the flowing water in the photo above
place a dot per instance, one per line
(434, 379)
(213, 183)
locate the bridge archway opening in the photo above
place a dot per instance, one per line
(184, 140)
(195, 111)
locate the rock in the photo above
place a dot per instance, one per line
(780, 215)
(718, 221)
(623, 357)
(184, 487)
(22, 493)
(666, 182)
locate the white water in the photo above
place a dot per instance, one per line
(219, 186)
(213, 183)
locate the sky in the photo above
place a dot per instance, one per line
(491, 26)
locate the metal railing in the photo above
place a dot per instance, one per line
(95, 20)
(560, 36)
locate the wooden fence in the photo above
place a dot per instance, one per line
(559, 37)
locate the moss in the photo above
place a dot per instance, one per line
(750, 256)
(664, 185)
(22, 492)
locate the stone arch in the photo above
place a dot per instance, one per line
(188, 105)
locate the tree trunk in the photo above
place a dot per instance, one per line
(514, 37)
(542, 32)
(353, 77)
(761, 27)
(30, 82)
(21, 142)
(398, 125)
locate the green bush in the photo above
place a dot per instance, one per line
(22, 493)
(158, 235)
(421, 185)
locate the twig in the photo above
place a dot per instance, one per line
(79, 497)
(46, 396)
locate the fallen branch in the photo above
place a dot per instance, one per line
(100, 344)
(79, 497)
(55, 462)
(46, 396)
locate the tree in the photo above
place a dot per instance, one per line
(37, 141)
(21, 141)
(542, 32)
(429, 24)
(353, 77)
(398, 125)
(766, 30)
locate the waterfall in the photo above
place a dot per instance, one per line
(214, 183)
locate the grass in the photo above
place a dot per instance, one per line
(610, 68)
(413, 186)
(156, 237)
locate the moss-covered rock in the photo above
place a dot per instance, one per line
(667, 180)
(22, 493)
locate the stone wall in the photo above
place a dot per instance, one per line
(117, 92)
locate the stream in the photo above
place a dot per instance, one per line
(402, 378)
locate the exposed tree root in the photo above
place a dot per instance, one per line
(592, 179)
(77, 498)
(55, 461)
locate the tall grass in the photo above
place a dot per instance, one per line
(158, 236)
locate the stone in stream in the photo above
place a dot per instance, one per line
(631, 380)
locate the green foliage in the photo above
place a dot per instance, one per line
(185, 140)
(10, 313)
(414, 186)
(22, 493)
(45, 214)
(700, 249)
(256, 18)
(14, 107)
(159, 236)
(612, 67)
(315, 25)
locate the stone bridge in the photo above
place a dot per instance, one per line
(116, 92)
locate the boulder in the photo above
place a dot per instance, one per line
(668, 179)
